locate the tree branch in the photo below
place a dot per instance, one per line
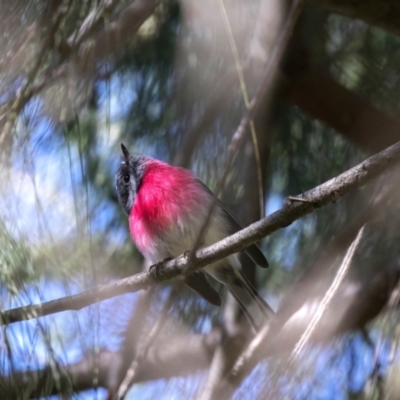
(328, 192)
(340, 108)
(111, 39)
(91, 21)
(327, 299)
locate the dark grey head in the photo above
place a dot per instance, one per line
(129, 178)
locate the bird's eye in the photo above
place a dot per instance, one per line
(127, 178)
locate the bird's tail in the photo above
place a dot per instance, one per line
(253, 305)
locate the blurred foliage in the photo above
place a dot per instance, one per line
(16, 267)
(148, 96)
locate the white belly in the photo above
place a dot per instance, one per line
(183, 236)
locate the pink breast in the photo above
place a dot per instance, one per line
(166, 194)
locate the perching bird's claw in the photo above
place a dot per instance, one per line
(155, 269)
(188, 254)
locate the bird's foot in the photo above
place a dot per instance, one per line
(188, 254)
(190, 257)
(155, 269)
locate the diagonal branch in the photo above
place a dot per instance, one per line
(340, 108)
(90, 23)
(328, 192)
(119, 32)
(328, 297)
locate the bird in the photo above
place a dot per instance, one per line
(167, 207)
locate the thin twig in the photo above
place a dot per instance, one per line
(128, 23)
(25, 92)
(328, 297)
(249, 351)
(265, 85)
(323, 305)
(214, 374)
(245, 95)
(91, 21)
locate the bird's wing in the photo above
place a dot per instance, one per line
(253, 251)
(197, 281)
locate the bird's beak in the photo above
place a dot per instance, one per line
(125, 152)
